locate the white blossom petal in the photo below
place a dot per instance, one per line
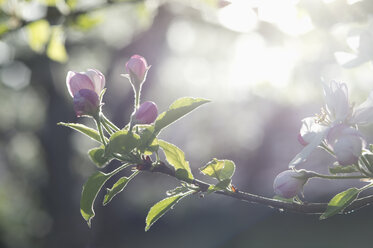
(307, 150)
(336, 99)
(363, 114)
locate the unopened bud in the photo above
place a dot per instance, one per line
(146, 114)
(289, 183)
(85, 88)
(137, 68)
(92, 80)
(86, 102)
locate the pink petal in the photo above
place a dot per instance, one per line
(77, 81)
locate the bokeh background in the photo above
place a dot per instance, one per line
(260, 62)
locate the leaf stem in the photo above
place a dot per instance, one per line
(100, 131)
(314, 174)
(106, 127)
(109, 123)
(326, 148)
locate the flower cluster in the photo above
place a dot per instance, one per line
(335, 130)
(86, 88)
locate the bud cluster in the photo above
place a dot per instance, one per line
(86, 88)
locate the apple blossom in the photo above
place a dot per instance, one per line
(289, 183)
(336, 101)
(146, 114)
(346, 143)
(309, 130)
(85, 88)
(337, 111)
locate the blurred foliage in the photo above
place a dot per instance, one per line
(259, 61)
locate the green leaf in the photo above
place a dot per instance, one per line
(118, 187)
(90, 132)
(343, 169)
(56, 49)
(221, 185)
(339, 202)
(122, 142)
(178, 190)
(370, 147)
(90, 191)
(176, 158)
(38, 34)
(97, 155)
(148, 140)
(177, 109)
(219, 169)
(160, 208)
(89, 194)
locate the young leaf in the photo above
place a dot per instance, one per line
(122, 142)
(97, 155)
(89, 194)
(221, 185)
(160, 208)
(219, 169)
(148, 140)
(90, 132)
(178, 190)
(339, 202)
(90, 191)
(118, 187)
(176, 158)
(177, 109)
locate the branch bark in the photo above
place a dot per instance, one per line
(304, 208)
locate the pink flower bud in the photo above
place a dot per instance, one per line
(346, 143)
(146, 114)
(92, 80)
(137, 67)
(86, 102)
(85, 88)
(289, 183)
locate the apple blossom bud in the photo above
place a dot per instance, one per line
(347, 144)
(92, 80)
(137, 67)
(85, 88)
(289, 183)
(146, 114)
(86, 102)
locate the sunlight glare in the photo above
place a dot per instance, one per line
(255, 64)
(238, 16)
(286, 16)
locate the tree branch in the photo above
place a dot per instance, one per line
(305, 207)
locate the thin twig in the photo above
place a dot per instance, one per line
(305, 207)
